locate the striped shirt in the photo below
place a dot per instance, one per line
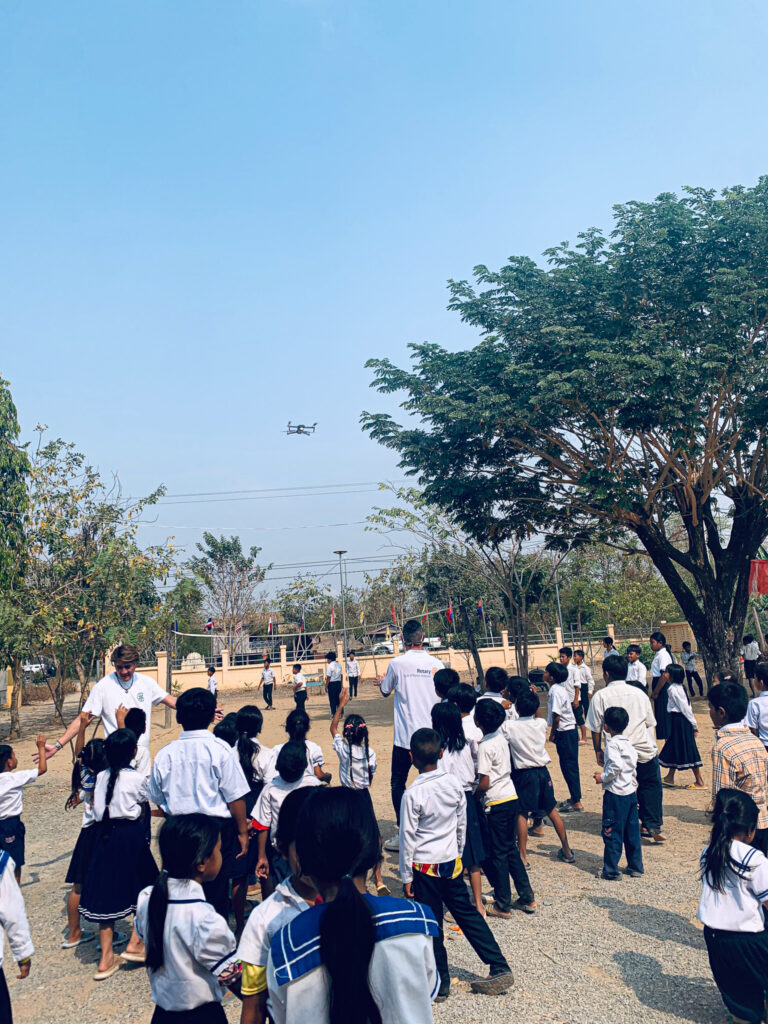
(740, 761)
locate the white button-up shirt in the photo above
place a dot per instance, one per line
(11, 785)
(266, 920)
(660, 662)
(494, 761)
(473, 735)
(197, 774)
(197, 947)
(129, 794)
(460, 764)
(527, 738)
(353, 667)
(333, 672)
(740, 907)
(757, 716)
(13, 916)
(108, 694)
(584, 677)
(433, 821)
(511, 711)
(635, 702)
(637, 672)
(560, 702)
(267, 808)
(315, 757)
(678, 704)
(619, 774)
(410, 678)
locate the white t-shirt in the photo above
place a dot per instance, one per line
(493, 760)
(560, 702)
(410, 678)
(108, 694)
(11, 785)
(740, 907)
(751, 651)
(659, 664)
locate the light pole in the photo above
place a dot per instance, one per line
(343, 606)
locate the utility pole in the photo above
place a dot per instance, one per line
(168, 674)
(343, 609)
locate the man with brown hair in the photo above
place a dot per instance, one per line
(124, 687)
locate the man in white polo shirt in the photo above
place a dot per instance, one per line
(125, 686)
(618, 693)
(410, 678)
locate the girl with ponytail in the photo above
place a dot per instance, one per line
(121, 863)
(357, 763)
(355, 958)
(732, 908)
(257, 762)
(191, 953)
(297, 727)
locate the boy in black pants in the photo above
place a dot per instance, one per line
(433, 818)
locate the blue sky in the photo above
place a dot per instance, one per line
(214, 213)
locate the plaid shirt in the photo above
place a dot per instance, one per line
(739, 761)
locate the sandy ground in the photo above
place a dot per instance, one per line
(596, 951)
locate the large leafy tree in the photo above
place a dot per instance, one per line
(621, 389)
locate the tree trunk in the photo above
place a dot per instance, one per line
(471, 639)
(16, 696)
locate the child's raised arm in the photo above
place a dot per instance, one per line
(343, 701)
(42, 767)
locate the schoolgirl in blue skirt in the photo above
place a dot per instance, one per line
(680, 752)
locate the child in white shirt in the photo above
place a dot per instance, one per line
(297, 726)
(750, 652)
(433, 819)
(191, 952)
(621, 825)
(734, 895)
(12, 829)
(680, 751)
(757, 709)
(14, 924)
(497, 791)
(527, 739)
(290, 898)
(637, 674)
(561, 718)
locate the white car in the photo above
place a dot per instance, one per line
(384, 647)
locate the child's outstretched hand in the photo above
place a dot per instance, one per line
(343, 698)
(40, 740)
(120, 712)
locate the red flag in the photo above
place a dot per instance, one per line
(758, 576)
(394, 615)
(449, 613)
(333, 617)
(269, 625)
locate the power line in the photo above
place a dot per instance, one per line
(271, 490)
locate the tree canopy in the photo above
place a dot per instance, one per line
(620, 389)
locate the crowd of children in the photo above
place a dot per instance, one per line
(318, 945)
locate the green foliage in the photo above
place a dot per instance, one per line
(228, 578)
(620, 390)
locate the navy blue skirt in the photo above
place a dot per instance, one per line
(82, 853)
(680, 750)
(660, 710)
(121, 866)
(12, 834)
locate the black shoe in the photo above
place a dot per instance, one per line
(494, 984)
(444, 991)
(632, 873)
(610, 878)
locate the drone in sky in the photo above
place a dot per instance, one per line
(301, 428)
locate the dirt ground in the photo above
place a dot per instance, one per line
(596, 951)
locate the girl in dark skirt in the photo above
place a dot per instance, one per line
(89, 761)
(734, 877)
(121, 863)
(457, 760)
(191, 951)
(680, 752)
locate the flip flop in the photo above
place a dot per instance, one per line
(566, 860)
(134, 958)
(669, 785)
(383, 890)
(85, 937)
(103, 975)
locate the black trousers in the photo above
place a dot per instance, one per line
(694, 677)
(334, 692)
(209, 1013)
(401, 765)
(649, 795)
(621, 828)
(353, 680)
(739, 963)
(6, 1017)
(300, 697)
(567, 744)
(217, 891)
(268, 694)
(453, 892)
(504, 859)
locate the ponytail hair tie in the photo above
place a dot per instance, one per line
(164, 872)
(347, 878)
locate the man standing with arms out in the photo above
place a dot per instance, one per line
(410, 678)
(617, 693)
(125, 686)
(333, 681)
